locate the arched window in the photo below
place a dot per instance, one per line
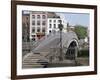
(43, 16)
(38, 16)
(33, 16)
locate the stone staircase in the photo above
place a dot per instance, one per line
(31, 61)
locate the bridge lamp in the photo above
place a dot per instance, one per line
(60, 26)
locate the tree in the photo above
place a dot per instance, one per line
(25, 32)
(81, 31)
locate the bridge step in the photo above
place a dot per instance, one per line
(31, 61)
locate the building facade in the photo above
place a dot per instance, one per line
(38, 25)
(25, 27)
(53, 23)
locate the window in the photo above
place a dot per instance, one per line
(43, 23)
(38, 22)
(33, 39)
(33, 16)
(43, 16)
(59, 21)
(33, 36)
(43, 30)
(50, 26)
(49, 31)
(38, 29)
(50, 21)
(33, 30)
(38, 16)
(54, 21)
(54, 25)
(33, 22)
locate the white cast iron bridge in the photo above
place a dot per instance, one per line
(47, 50)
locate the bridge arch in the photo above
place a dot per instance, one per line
(72, 49)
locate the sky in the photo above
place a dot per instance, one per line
(76, 18)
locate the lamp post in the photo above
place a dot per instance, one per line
(60, 26)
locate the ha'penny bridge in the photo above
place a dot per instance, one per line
(48, 51)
